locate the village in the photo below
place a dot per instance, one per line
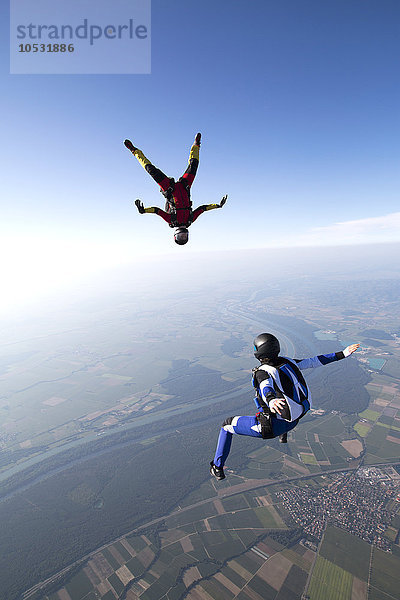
(359, 503)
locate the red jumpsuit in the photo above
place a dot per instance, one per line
(178, 207)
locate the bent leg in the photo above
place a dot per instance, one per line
(280, 427)
(159, 177)
(238, 425)
(223, 448)
(193, 164)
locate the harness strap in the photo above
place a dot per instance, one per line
(304, 403)
(257, 389)
(187, 188)
(285, 413)
(168, 193)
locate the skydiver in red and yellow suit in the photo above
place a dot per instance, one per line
(178, 206)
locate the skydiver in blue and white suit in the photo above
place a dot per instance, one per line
(282, 397)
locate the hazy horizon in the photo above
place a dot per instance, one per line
(165, 275)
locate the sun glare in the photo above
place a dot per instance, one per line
(34, 267)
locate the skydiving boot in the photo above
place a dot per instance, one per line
(130, 146)
(283, 438)
(218, 472)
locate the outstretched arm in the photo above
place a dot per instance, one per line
(204, 207)
(153, 209)
(325, 359)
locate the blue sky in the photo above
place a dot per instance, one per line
(298, 103)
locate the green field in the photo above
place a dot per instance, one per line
(362, 429)
(237, 502)
(265, 454)
(297, 559)
(385, 574)
(329, 582)
(258, 518)
(318, 451)
(375, 594)
(378, 446)
(388, 425)
(191, 515)
(347, 551)
(294, 582)
(258, 585)
(371, 415)
(79, 586)
(308, 459)
(331, 426)
(268, 519)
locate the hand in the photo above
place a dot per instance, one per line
(197, 140)
(224, 199)
(277, 405)
(350, 349)
(139, 206)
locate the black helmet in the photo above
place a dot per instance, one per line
(181, 236)
(266, 345)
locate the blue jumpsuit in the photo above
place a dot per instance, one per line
(284, 380)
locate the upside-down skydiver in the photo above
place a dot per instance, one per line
(178, 211)
(282, 397)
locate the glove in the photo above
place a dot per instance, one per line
(224, 199)
(350, 349)
(140, 206)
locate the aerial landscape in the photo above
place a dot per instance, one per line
(107, 463)
(162, 433)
